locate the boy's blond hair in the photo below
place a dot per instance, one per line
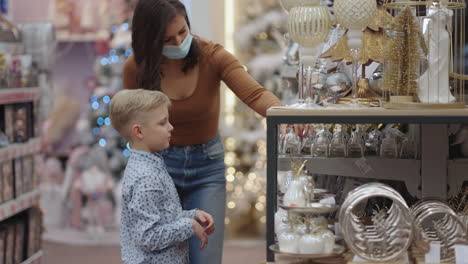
(127, 106)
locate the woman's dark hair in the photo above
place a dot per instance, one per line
(149, 24)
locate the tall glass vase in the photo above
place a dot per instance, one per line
(355, 54)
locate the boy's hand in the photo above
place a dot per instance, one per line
(206, 220)
(200, 233)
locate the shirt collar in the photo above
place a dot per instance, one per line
(154, 157)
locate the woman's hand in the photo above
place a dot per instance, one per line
(205, 220)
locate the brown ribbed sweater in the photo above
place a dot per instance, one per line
(195, 119)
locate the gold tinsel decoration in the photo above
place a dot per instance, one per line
(297, 166)
(402, 55)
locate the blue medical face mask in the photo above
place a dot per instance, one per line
(178, 52)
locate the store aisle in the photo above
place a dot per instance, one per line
(246, 252)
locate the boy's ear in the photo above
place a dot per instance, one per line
(136, 131)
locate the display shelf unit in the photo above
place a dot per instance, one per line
(20, 149)
(34, 259)
(9, 209)
(430, 174)
(13, 207)
(19, 95)
(388, 169)
(91, 37)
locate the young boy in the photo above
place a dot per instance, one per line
(154, 228)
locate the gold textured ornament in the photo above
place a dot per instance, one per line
(381, 20)
(372, 42)
(372, 49)
(339, 51)
(365, 95)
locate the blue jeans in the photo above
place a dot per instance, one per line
(198, 172)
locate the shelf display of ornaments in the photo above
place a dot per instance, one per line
(378, 55)
(320, 140)
(300, 226)
(384, 235)
(387, 54)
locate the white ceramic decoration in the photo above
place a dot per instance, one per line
(434, 82)
(311, 244)
(295, 194)
(288, 242)
(309, 187)
(281, 217)
(286, 179)
(328, 239)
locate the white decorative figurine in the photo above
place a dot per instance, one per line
(434, 82)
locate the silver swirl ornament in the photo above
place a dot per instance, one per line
(436, 222)
(390, 232)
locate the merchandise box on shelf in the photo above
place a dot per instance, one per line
(10, 243)
(28, 173)
(17, 122)
(18, 179)
(16, 245)
(7, 178)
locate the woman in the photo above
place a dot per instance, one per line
(189, 70)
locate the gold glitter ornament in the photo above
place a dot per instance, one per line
(404, 47)
(372, 42)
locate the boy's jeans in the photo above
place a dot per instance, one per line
(198, 172)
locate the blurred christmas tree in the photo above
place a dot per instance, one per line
(260, 45)
(110, 61)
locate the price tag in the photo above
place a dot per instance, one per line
(363, 165)
(433, 256)
(461, 254)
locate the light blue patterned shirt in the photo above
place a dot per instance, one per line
(154, 228)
